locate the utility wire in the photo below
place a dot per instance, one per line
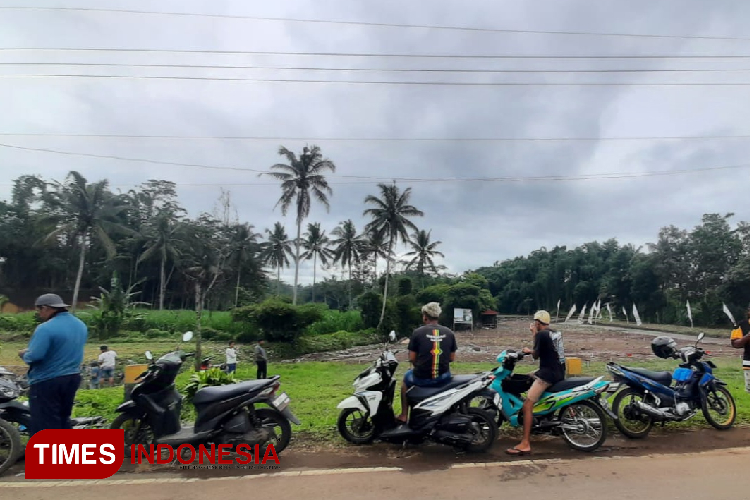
(375, 82)
(375, 139)
(371, 179)
(384, 70)
(370, 54)
(383, 25)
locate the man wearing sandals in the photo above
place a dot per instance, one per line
(550, 372)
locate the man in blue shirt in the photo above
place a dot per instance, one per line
(54, 356)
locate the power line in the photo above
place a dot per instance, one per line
(375, 139)
(383, 25)
(369, 54)
(385, 70)
(371, 179)
(376, 82)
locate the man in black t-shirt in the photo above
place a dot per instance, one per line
(550, 372)
(740, 340)
(432, 348)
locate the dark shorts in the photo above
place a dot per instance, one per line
(107, 373)
(231, 367)
(411, 380)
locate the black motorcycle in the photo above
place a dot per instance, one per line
(225, 414)
(15, 420)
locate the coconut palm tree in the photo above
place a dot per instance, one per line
(375, 246)
(423, 252)
(162, 240)
(277, 250)
(85, 211)
(349, 247)
(390, 218)
(301, 180)
(316, 247)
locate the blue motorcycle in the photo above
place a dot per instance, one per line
(572, 408)
(649, 396)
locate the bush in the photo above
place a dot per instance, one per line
(335, 321)
(409, 315)
(435, 293)
(209, 333)
(210, 377)
(154, 333)
(278, 320)
(22, 322)
(370, 303)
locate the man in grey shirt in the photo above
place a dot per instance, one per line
(261, 360)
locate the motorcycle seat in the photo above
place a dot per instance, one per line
(217, 393)
(417, 394)
(569, 383)
(664, 378)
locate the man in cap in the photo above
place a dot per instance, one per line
(54, 356)
(740, 339)
(432, 348)
(550, 372)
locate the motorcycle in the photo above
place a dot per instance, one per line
(224, 414)
(650, 396)
(15, 419)
(206, 365)
(439, 413)
(572, 408)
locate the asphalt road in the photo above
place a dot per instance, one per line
(716, 474)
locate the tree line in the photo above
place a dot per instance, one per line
(75, 234)
(707, 265)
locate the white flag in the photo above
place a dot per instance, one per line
(690, 313)
(572, 310)
(609, 310)
(592, 313)
(557, 316)
(729, 314)
(636, 316)
(583, 314)
(625, 313)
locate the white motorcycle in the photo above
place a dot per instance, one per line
(440, 413)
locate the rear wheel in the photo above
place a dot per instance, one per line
(584, 425)
(718, 407)
(280, 430)
(355, 427)
(631, 422)
(136, 431)
(483, 431)
(11, 447)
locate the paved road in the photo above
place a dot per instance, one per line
(716, 475)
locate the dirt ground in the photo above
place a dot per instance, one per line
(587, 342)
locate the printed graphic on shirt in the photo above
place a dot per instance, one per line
(436, 352)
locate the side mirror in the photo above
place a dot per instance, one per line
(187, 336)
(149, 356)
(700, 336)
(392, 336)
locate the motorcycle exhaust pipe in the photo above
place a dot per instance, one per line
(451, 438)
(651, 411)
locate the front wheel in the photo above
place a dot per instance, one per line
(11, 447)
(278, 426)
(137, 431)
(355, 427)
(584, 425)
(631, 422)
(483, 431)
(718, 407)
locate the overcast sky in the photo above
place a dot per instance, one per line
(478, 223)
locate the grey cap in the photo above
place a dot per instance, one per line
(50, 300)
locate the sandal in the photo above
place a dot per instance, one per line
(516, 452)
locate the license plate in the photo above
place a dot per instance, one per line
(281, 401)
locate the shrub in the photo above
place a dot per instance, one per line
(210, 377)
(154, 333)
(370, 303)
(335, 321)
(278, 320)
(434, 293)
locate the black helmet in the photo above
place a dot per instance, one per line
(663, 347)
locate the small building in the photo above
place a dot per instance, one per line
(489, 319)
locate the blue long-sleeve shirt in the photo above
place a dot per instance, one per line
(56, 348)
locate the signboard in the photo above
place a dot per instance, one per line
(464, 316)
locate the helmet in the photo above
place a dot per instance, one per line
(663, 347)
